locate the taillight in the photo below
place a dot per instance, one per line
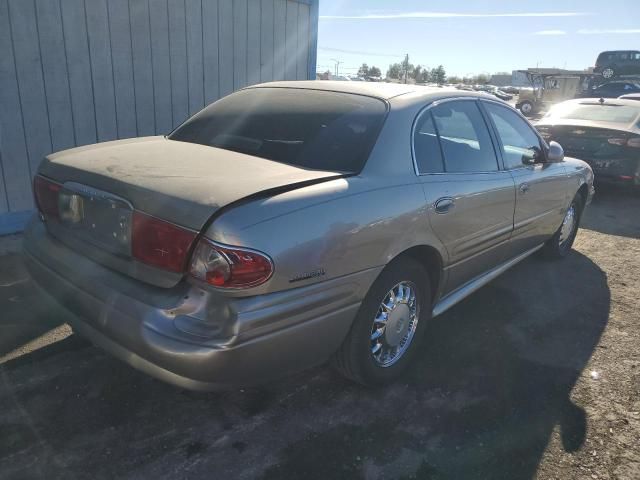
(46, 193)
(159, 243)
(631, 142)
(634, 142)
(229, 267)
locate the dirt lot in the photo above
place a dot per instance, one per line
(536, 375)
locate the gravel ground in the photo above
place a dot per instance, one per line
(537, 375)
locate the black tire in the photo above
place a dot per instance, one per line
(527, 108)
(554, 249)
(354, 359)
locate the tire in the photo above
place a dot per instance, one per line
(526, 108)
(355, 359)
(608, 72)
(558, 247)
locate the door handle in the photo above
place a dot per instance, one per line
(443, 205)
(524, 188)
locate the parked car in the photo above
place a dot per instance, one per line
(618, 62)
(603, 133)
(510, 89)
(613, 89)
(496, 92)
(293, 222)
(630, 96)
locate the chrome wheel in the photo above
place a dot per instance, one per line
(394, 324)
(526, 108)
(607, 73)
(568, 225)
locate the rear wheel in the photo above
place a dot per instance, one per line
(560, 244)
(526, 108)
(388, 328)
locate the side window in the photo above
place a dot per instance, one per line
(519, 143)
(464, 138)
(426, 146)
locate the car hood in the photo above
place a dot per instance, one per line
(181, 182)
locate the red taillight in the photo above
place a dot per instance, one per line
(159, 243)
(46, 193)
(229, 267)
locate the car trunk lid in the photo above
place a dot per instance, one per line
(101, 188)
(606, 150)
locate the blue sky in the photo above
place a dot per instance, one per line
(470, 36)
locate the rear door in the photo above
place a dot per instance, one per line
(541, 188)
(470, 198)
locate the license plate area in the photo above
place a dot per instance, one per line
(96, 217)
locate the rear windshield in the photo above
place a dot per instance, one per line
(624, 114)
(311, 129)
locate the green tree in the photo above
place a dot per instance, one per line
(454, 79)
(363, 71)
(438, 75)
(394, 71)
(417, 73)
(407, 69)
(374, 72)
(425, 76)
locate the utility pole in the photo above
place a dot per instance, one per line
(406, 67)
(337, 67)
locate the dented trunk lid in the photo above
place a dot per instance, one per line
(181, 183)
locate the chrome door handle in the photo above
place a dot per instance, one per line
(444, 204)
(524, 188)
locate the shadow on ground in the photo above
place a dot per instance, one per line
(493, 382)
(614, 211)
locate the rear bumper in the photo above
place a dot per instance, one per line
(187, 335)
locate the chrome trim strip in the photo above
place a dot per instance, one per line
(468, 288)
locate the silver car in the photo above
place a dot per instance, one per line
(295, 222)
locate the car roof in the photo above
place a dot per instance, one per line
(617, 51)
(384, 91)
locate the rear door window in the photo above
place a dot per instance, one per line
(318, 130)
(426, 146)
(519, 143)
(464, 138)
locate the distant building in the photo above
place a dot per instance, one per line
(500, 80)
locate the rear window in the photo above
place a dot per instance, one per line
(311, 129)
(624, 114)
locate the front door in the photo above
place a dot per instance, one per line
(541, 187)
(470, 200)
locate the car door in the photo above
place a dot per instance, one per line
(470, 199)
(541, 187)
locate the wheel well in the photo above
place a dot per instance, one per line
(431, 260)
(583, 192)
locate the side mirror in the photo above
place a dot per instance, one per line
(555, 153)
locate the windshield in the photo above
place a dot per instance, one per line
(624, 114)
(312, 129)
